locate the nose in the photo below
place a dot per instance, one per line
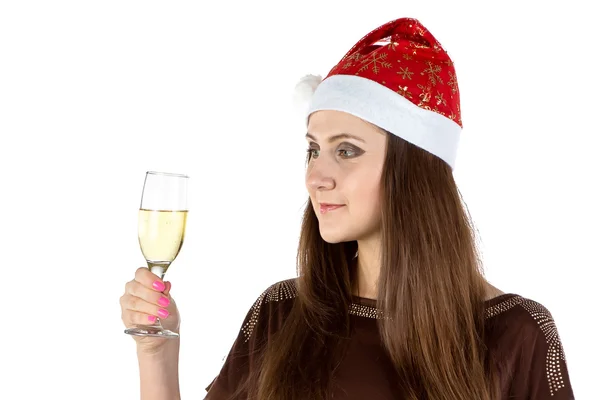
(319, 176)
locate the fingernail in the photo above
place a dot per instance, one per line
(162, 313)
(152, 318)
(158, 285)
(163, 301)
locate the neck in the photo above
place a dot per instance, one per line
(367, 268)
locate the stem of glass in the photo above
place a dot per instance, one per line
(158, 269)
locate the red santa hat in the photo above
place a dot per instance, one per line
(399, 78)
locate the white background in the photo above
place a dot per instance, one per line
(94, 94)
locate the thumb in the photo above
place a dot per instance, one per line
(167, 288)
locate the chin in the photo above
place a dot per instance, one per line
(333, 240)
(346, 234)
(336, 236)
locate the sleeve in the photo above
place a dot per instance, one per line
(541, 372)
(242, 356)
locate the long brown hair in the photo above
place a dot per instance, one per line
(431, 288)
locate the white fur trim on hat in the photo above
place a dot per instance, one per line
(381, 106)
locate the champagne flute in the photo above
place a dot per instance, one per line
(161, 229)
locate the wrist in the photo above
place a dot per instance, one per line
(166, 350)
(159, 371)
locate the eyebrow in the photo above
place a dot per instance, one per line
(337, 137)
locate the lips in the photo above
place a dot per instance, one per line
(325, 207)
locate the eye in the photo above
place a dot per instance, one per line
(348, 150)
(310, 153)
(347, 153)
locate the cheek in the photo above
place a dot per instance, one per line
(365, 192)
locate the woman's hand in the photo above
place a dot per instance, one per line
(146, 297)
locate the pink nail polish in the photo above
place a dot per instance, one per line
(158, 285)
(152, 318)
(162, 313)
(164, 301)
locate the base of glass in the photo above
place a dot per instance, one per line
(151, 331)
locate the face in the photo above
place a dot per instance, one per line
(343, 175)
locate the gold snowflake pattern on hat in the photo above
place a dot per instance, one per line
(405, 57)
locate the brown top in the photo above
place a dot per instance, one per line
(518, 328)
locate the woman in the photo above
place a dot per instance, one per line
(390, 301)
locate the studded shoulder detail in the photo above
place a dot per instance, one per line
(503, 306)
(555, 352)
(283, 290)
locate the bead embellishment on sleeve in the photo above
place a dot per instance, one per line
(283, 290)
(544, 319)
(502, 307)
(555, 349)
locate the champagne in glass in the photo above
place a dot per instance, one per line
(161, 230)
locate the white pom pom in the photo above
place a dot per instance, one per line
(304, 91)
